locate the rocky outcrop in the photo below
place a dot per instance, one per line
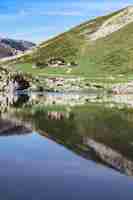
(114, 23)
(11, 81)
(17, 83)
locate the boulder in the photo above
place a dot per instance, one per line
(18, 82)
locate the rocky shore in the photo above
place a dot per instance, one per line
(12, 81)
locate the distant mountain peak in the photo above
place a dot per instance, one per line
(11, 47)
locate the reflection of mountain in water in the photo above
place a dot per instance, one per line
(110, 129)
(9, 128)
(74, 127)
(55, 115)
(111, 157)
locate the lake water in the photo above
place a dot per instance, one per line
(65, 147)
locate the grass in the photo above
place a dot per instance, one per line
(68, 45)
(111, 55)
(105, 79)
(110, 126)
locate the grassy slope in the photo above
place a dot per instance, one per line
(113, 54)
(69, 45)
(110, 55)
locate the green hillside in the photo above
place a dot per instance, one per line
(111, 55)
(68, 45)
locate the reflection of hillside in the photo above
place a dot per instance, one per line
(9, 128)
(108, 126)
(54, 115)
(111, 157)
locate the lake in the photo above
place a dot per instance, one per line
(66, 146)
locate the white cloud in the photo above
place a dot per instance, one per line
(76, 8)
(50, 13)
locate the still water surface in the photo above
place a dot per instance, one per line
(66, 152)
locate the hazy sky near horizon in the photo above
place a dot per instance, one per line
(37, 20)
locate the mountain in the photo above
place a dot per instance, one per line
(100, 46)
(10, 47)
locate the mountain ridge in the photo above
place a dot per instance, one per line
(10, 47)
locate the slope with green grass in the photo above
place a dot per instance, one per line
(108, 54)
(71, 44)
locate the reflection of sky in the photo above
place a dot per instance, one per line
(38, 20)
(33, 167)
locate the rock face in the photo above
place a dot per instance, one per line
(12, 81)
(18, 82)
(114, 23)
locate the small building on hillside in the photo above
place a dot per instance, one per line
(56, 62)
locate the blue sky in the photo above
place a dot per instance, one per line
(38, 20)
